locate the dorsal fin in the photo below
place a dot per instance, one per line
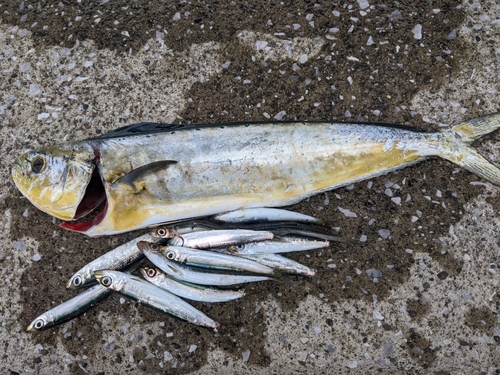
(145, 128)
(153, 127)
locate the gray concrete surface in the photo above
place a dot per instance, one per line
(74, 70)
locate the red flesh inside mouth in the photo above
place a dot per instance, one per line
(95, 196)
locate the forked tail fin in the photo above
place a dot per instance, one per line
(460, 152)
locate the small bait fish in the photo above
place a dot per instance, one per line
(153, 296)
(188, 274)
(212, 260)
(218, 238)
(188, 290)
(117, 259)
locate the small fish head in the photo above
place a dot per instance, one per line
(54, 180)
(110, 279)
(149, 273)
(171, 253)
(145, 245)
(162, 232)
(236, 249)
(78, 280)
(38, 324)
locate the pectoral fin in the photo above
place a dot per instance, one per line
(135, 175)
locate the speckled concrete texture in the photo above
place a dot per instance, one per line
(73, 70)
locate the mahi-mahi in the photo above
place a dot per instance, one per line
(145, 174)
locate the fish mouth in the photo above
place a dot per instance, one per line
(94, 198)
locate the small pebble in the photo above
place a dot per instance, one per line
(347, 212)
(384, 233)
(167, 356)
(417, 32)
(363, 4)
(396, 200)
(280, 115)
(373, 273)
(352, 364)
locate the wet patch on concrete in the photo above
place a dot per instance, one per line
(421, 348)
(481, 319)
(417, 309)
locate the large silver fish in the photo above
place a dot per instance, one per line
(152, 173)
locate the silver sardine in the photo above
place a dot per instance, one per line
(282, 245)
(188, 274)
(153, 296)
(218, 238)
(116, 259)
(278, 262)
(251, 215)
(69, 309)
(187, 290)
(212, 260)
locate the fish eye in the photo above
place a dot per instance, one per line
(151, 272)
(106, 281)
(39, 324)
(38, 165)
(161, 232)
(77, 281)
(153, 246)
(171, 255)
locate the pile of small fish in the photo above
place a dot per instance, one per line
(191, 259)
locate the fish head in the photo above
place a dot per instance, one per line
(162, 232)
(149, 273)
(148, 246)
(79, 279)
(38, 324)
(110, 279)
(55, 179)
(172, 253)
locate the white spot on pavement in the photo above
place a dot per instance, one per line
(417, 32)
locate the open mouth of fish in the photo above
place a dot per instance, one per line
(89, 212)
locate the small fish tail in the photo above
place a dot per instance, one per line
(462, 135)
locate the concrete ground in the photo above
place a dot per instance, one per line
(74, 70)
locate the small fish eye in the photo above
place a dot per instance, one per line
(39, 324)
(106, 281)
(151, 272)
(153, 246)
(170, 255)
(162, 232)
(38, 165)
(77, 281)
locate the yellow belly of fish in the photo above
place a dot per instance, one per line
(128, 211)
